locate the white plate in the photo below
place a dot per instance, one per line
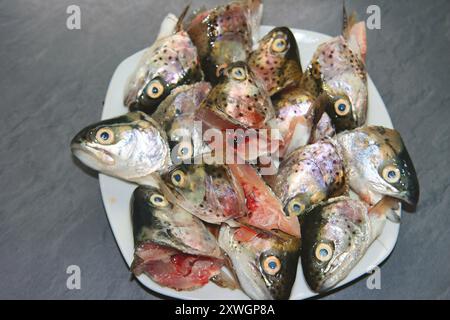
(116, 193)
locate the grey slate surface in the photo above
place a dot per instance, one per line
(53, 82)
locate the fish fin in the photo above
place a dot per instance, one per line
(245, 234)
(379, 213)
(179, 26)
(348, 21)
(225, 281)
(167, 27)
(393, 217)
(233, 223)
(317, 110)
(229, 266)
(354, 33)
(322, 129)
(137, 266)
(311, 80)
(385, 207)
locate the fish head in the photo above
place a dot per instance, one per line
(308, 176)
(170, 62)
(225, 34)
(176, 114)
(129, 147)
(335, 236)
(265, 263)
(207, 191)
(277, 60)
(156, 219)
(343, 81)
(299, 185)
(379, 164)
(240, 97)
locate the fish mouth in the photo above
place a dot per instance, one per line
(411, 197)
(92, 156)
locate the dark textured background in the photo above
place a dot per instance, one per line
(53, 82)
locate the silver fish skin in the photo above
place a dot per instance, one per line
(265, 264)
(170, 62)
(377, 164)
(309, 175)
(131, 147)
(337, 234)
(156, 220)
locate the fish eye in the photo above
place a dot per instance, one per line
(158, 200)
(105, 136)
(342, 107)
(238, 73)
(185, 150)
(391, 174)
(296, 207)
(178, 178)
(271, 265)
(279, 45)
(154, 89)
(324, 252)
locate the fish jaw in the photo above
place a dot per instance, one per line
(368, 152)
(337, 234)
(169, 225)
(248, 255)
(136, 147)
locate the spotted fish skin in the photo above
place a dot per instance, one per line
(240, 98)
(277, 64)
(378, 164)
(340, 229)
(209, 192)
(225, 34)
(342, 77)
(277, 60)
(337, 234)
(254, 253)
(309, 175)
(170, 62)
